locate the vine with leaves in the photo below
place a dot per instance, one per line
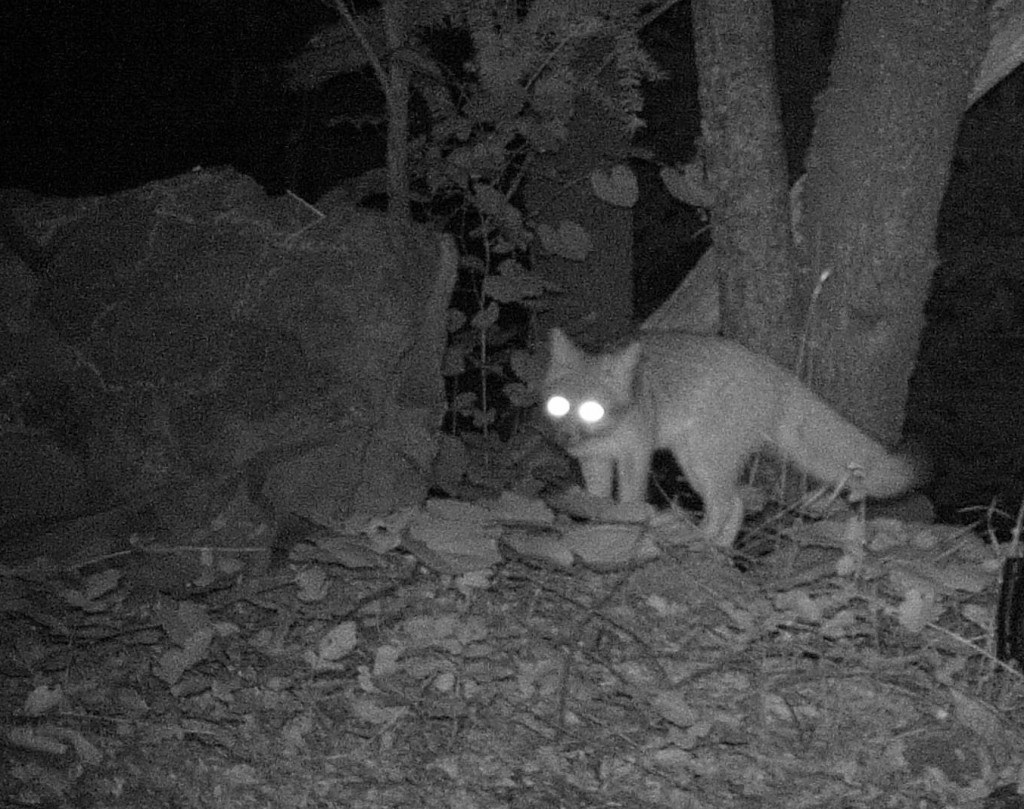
(488, 117)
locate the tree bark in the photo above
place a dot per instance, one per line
(877, 170)
(746, 164)
(597, 295)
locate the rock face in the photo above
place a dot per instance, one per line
(196, 329)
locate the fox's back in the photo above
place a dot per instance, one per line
(709, 389)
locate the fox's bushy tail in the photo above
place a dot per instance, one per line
(829, 448)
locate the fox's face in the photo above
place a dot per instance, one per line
(576, 418)
(584, 395)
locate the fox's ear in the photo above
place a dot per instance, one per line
(621, 366)
(563, 352)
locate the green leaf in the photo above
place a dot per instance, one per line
(486, 317)
(454, 361)
(519, 395)
(455, 320)
(464, 403)
(512, 284)
(617, 187)
(484, 418)
(571, 240)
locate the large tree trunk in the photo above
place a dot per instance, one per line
(877, 171)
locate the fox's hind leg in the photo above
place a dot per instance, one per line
(723, 517)
(713, 477)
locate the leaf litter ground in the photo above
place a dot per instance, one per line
(470, 655)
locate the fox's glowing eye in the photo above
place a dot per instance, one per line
(558, 406)
(591, 412)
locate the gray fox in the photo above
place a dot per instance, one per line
(713, 403)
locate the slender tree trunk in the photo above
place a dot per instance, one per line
(877, 171)
(746, 164)
(396, 91)
(597, 295)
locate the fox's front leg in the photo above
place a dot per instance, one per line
(633, 469)
(598, 475)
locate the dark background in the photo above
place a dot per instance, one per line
(104, 96)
